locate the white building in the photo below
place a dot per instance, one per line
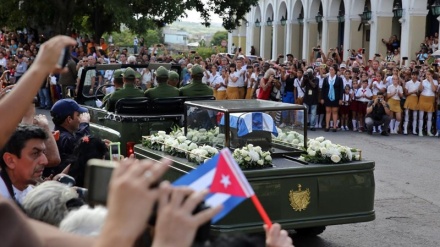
(291, 26)
(174, 36)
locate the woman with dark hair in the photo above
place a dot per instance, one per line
(332, 91)
(87, 148)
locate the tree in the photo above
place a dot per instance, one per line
(218, 37)
(105, 16)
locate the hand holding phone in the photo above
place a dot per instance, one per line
(115, 151)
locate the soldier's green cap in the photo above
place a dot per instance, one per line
(173, 75)
(197, 69)
(118, 73)
(162, 72)
(131, 73)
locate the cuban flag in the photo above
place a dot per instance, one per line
(224, 179)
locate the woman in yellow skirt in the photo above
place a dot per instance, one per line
(220, 85)
(394, 94)
(411, 102)
(426, 101)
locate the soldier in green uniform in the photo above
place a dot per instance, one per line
(173, 79)
(163, 90)
(118, 82)
(196, 87)
(128, 91)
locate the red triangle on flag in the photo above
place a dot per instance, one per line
(225, 180)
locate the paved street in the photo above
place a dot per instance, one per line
(407, 200)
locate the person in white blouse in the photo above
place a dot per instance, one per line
(363, 96)
(394, 94)
(411, 102)
(426, 101)
(217, 83)
(146, 79)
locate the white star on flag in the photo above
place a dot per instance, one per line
(225, 181)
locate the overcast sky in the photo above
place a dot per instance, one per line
(194, 16)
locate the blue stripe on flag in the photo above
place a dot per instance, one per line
(198, 172)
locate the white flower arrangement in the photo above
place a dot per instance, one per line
(289, 138)
(324, 151)
(252, 157)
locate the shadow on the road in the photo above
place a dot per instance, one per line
(316, 241)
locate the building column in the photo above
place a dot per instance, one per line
(242, 38)
(311, 39)
(381, 28)
(289, 33)
(413, 29)
(325, 35)
(274, 39)
(249, 39)
(263, 33)
(333, 31)
(347, 37)
(306, 45)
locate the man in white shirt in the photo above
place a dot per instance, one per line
(23, 160)
(3, 61)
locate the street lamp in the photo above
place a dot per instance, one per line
(366, 15)
(435, 8)
(283, 20)
(318, 18)
(269, 21)
(300, 19)
(398, 11)
(341, 17)
(257, 23)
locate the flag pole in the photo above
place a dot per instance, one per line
(261, 210)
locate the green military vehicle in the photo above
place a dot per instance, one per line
(301, 196)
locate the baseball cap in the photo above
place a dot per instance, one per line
(197, 69)
(289, 55)
(65, 107)
(162, 72)
(118, 73)
(172, 75)
(343, 66)
(240, 56)
(130, 73)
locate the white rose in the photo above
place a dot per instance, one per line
(254, 155)
(181, 138)
(260, 162)
(192, 146)
(183, 146)
(247, 159)
(323, 151)
(302, 158)
(312, 153)
(320, 139)
(195, 138)
(335, 158)
(244, 153)
(258, 149)
(250, 146)
(268, 158)
(161, 133)
(202, 130)
(357, 157)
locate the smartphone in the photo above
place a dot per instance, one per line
(196, 57)
(98, 175)
(405, 58)
(193, 51)
(281, 56)
(64, 58)
(363, 50)
(418, 67)
(159, 45)
(316, 49)
(115, 150)
(377, 55)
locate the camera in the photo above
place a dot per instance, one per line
(64, 58)
(70, 181)
(316, 49)
(379, 100)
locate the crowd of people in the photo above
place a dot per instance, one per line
(39, 208)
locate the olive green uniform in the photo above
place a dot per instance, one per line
(196, 88)
(163, 90)
(128, 91)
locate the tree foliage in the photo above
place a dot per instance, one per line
(105, 16)
(218, 37)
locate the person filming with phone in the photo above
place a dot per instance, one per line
(378, 113)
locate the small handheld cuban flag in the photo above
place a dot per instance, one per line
(226, 183)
